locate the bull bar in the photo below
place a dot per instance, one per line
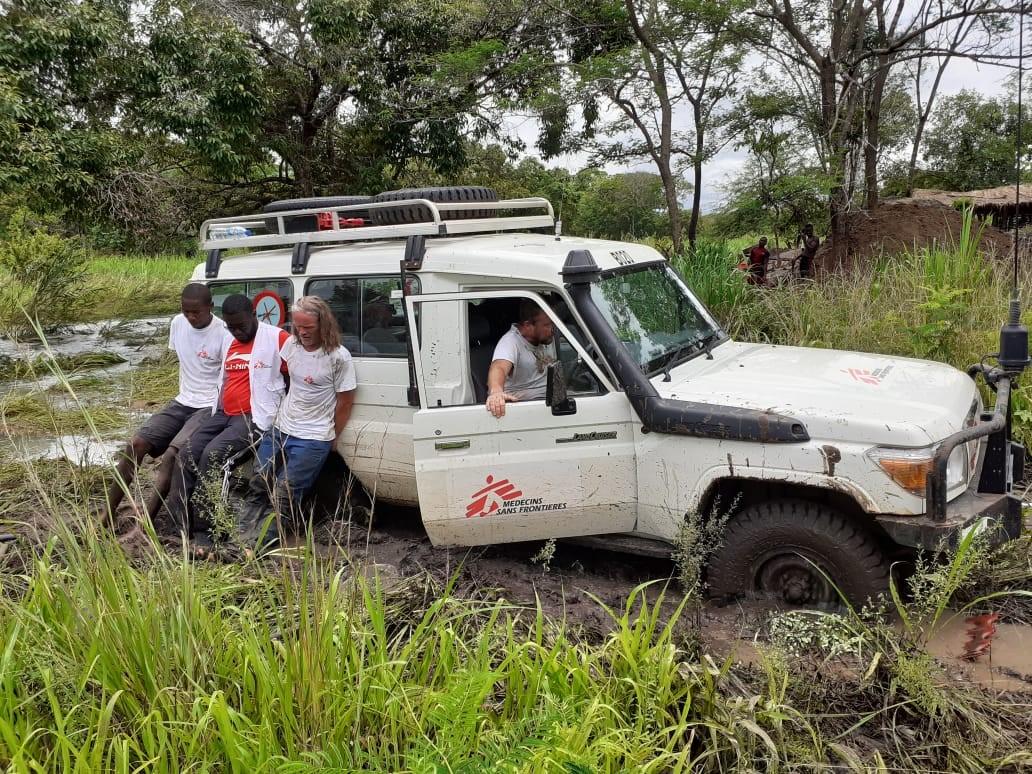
(988, 501)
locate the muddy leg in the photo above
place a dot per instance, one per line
(162, 483)
(125, 471)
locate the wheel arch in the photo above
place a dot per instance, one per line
(744, 491)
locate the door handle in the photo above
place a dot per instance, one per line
(449, 445)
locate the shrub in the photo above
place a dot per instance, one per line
(45, 272)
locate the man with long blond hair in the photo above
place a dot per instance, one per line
(314, 411)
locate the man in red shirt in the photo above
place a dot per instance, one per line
(758, 256)
(251, 388)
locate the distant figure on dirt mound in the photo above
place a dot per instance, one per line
(757, 255)
(808, 254)
(251, 387)
(196, 336)
(311, 417)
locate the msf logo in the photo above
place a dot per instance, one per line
(865, 376)
(492, 497)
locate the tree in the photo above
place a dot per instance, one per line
(924, 95)
(654, 63)
(779, 188)
(623, 205)
(847, 49)
(971, 141)
(136, 110)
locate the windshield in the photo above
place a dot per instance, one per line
(656, 317)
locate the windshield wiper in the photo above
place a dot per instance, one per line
(704, 344)
(707, 344)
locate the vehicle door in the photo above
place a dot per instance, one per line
(534, 473)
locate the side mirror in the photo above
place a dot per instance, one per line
(555, 392)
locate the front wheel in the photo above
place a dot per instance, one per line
(799, 552)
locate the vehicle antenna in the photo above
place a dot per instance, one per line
(1017, 147)
(1013, 356)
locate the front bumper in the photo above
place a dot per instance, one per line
(999, 516)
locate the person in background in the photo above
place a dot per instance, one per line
(251, 387)
(757, 255)
(196, 336)
(313, 413)
(521, 359)
(808, 254)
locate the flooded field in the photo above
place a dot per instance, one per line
(46, 384)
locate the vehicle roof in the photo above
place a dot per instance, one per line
(515, 255)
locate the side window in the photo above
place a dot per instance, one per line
(274, 298)
(373, 323)
(455, 367)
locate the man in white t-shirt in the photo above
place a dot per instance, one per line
(521, 358)
(313, 413)
(196, 336)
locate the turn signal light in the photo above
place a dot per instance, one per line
(911, 474)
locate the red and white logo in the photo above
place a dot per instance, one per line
(867, 376)
(492, 497)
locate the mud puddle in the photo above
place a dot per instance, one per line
(1006, 664)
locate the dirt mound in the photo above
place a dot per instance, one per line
(908, 224)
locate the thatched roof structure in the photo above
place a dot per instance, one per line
(997, 202)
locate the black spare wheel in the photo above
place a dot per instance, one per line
(798, 552)
(299, 224)
(415, 213)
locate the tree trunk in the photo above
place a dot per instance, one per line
(872, 131)
(303, 173)
(922, 122)
(693, 222)
(673, 206)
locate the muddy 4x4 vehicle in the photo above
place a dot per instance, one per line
(830, 462)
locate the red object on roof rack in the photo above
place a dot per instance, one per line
(325, 222)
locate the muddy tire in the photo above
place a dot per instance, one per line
(305, 223)
(768, 550)
(420, 214)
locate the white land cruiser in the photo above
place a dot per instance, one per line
(828, 459)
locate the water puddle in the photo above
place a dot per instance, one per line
(79, 449)
(1005, 665)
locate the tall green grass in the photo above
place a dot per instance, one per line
(133, 286)
(306, 667)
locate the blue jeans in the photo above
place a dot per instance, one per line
(294, 463)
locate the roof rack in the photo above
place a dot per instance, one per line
(437, 226)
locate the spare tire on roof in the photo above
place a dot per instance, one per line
(415, 213)
(302, 223)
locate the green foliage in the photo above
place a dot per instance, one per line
(622, 206)
(42, 272)
(696, 541)
(710, 270)
(257, 668)
(970, 142)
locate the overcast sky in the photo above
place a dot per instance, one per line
(960, 74)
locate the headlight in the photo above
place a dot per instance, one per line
(910, 467)
(957, 467)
